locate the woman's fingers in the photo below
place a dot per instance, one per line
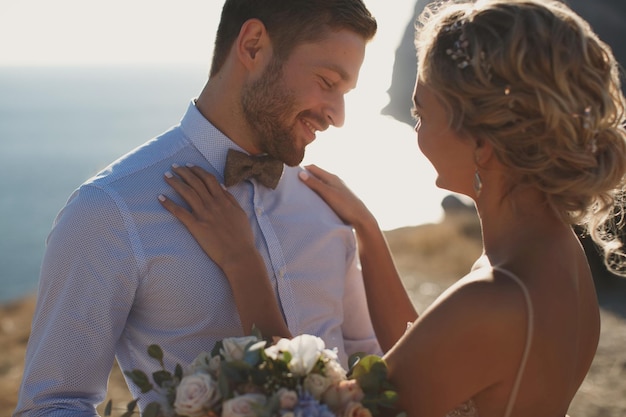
(335, 193)
(209, 181)
(216, 220)
(182, 214)
(324, 176)
(187, 192)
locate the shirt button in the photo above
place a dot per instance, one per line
(259, 211)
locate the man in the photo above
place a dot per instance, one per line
(121, 273)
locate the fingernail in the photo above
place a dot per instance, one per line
(189, 165)
(223, 186)
(303, 175)
(175, 166)
(168, 174)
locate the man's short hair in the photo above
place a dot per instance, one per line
(290, 23)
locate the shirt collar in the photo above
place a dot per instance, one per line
(209, 140)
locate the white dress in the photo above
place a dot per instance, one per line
(468, 409)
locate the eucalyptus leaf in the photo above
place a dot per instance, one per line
(107, 408)
(152, 410)
(223, 385)
(140, 379)
(160, 377)
(256, 332)
(217, 348)
(155, 351)
(131, 405)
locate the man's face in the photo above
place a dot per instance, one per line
(292, 100)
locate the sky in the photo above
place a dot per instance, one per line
(374, 154)
(96, 32)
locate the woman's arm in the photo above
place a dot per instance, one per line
(221, 228)
(390, 306)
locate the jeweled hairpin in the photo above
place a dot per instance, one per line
(586, 120)
(459, 52)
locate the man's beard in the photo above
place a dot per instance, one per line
(267, 107)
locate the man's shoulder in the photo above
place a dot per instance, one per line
(145, 159)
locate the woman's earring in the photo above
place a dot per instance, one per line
(478, 183)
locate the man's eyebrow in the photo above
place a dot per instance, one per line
(339, 70)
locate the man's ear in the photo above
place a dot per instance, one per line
(253, 45)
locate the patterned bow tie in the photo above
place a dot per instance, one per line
(241, 166)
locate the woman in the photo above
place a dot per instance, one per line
(519, 107)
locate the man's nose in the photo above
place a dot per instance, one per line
(335, 111)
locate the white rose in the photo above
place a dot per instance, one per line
(334, 371)
(200, 363)
(196, 394)
(339, 395)
(316, 384)
(214, 365)
(243, 406)
(306, 350)
(330, 354)
(274, 351)
(233, 348)
(287, 398)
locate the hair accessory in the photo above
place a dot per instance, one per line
(459, 52)
(587, 123)
(460, 49)
(587, 117)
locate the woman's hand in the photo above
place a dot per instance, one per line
(337, 195)
(216, 221)
(221, 227)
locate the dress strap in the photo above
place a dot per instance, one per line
(529, 335)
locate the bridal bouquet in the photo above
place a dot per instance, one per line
(244, 377)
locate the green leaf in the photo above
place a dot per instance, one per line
(354, 359)
(107, 408)
(223, 385)
(217, 348)
(365, 364)
(235, 372)
(256, 332)
(155, 351)
(152, 410)
(159, 377)
(178, 372)
(131, 405)
(252, 357)
(140, 379)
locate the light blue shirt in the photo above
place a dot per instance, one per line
(121, 273)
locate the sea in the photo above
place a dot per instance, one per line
(61, 125)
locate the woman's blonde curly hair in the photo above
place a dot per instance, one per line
(532, 78)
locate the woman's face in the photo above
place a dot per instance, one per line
(451, 155)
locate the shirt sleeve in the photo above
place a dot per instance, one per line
(357, 328)
(87, 283)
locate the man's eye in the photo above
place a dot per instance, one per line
(327, 83)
